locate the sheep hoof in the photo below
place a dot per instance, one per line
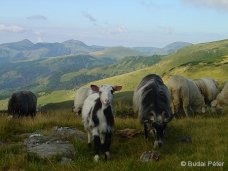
(107, 155)
(96, 158)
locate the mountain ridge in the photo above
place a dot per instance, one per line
(27, 50)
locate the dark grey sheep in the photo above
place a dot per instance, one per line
(22, 103)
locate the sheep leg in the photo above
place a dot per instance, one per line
(176, 102)
(185, 100)
(172, 107)
(145, 131)
(185, 107)
(89, 139)
(171, 101)
(102, 138)
(107, 144)
(97, 144)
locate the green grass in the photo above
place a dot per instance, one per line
(209, 135)
(206, 59)
(195, 61)
(56, 96)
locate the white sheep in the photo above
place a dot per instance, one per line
(184, 92)
(98, 119)
(208, 88)
(221, 100)
(80, 96)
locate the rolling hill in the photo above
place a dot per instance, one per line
(60, 74)
(195, 61)
(208, 58)
(116, 52)
(121, 52)
(43, 74)
(170, 48)
(26, 50)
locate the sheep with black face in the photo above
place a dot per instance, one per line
(152, 102)
(98, 119)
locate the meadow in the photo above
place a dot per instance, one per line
(208, 132)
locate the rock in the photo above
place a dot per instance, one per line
(48, 147)
(150, 156)
(35, 140)
(128, 133)
(67, 131)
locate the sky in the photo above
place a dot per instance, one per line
(152, 23)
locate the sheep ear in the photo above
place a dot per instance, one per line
(94, 88)
(117, 88)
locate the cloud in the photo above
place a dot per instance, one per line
(88, 16)
(121, 29)
(115, 30)
(217, 4)
(166, 29)
(37, 17)
(149, 4)
(11, 28)
(39, 35)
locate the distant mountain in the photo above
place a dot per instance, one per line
(21, 45)
(116, 52)
(170, 48)
(78, 47)
(44, 74)
(26, 50)
(64, 73)
(175, 46)
(149, 50)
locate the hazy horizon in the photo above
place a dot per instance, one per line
(130, 23)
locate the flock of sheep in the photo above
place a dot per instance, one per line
(196, 96)
(155, 102)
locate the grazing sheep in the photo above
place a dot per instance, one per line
(221, 100)
(22, 103)
(151, 100)
(208, 88)
(80, 96)
(185, 92)
(98, 119)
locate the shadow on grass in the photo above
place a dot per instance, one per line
(66, 105)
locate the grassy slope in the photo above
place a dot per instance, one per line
(125, 65)
(56, 96)
(207, 59)
(209, 142)
(208, 132)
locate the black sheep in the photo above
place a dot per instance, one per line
(22, 103)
